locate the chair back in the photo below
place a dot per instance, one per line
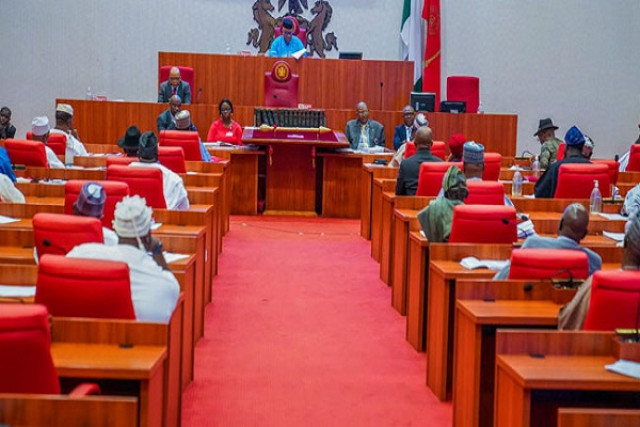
(26, 365)
(56, 141)
(172, 158)
(59, 233)
(485, 193)
(492, 165)
(575, 180)
(464, 88)
(280, 86)
(560, 154)
(298, 31)
(28, 153)
(430, 178)
(546, 264)
(483, 224)
(634, 159)
(409, 149)
(114, 190)
(614, 168)
(121, 160)
(614, 301)
(439, 149)
(143, 181)
(186, 73)
(187, 140)
(78, 287)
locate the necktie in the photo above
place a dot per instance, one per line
(174, 91)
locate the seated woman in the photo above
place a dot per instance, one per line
(436, 218)
(225, 129)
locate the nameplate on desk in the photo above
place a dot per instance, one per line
(294, 136)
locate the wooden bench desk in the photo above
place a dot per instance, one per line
(585, 417)
(369, 173)
(380, 186)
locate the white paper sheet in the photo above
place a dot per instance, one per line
(472, 262)
(171, 257)
(7, 219)
(613, 216)
(618, 237)
(625, 367)
(8, 291)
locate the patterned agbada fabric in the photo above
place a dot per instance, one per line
(437, 216)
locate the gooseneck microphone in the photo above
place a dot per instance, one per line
(381, 87)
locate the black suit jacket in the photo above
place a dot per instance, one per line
(545, 188)
(407, 183)
(183, 91)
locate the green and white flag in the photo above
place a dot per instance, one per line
(412, 36)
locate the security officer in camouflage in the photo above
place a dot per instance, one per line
(547, 136)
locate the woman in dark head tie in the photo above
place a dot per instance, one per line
(225, 129)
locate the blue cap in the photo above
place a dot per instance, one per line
(574, 136)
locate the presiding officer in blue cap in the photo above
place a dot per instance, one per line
(546, 185)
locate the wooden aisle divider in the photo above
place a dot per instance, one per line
(369, 172)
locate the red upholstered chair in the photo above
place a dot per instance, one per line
(115, 192)
(280, 86)
(575, 180)
(464, 88)
(483, 224)
(560, 154)
(121, 160)
(409, 149)
(614, 300)
(189, 141)
(143, 181)
(614, 168)
(544, 264)
(77, 287)
(430, 178)
(438, 149)
(186, 73)
(298, 31)
(56, 141)
(59, 233)
(492, 165)
(28, 153)
(172, 158)
(485, 193)
(26, 365)
(634, 159)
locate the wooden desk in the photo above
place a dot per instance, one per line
(380, 186)
(369, 172)
(417, 281)
(570, 372)
(141, 365)
(585, 417)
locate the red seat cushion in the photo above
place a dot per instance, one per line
(614, 168)
(464, 88)
(189, 141)
(280, 86)
(548, 263)
(143, 181)
(56, 141)
(483, 224)
(114, 190)
(492, 165)
(575, 180)
(430, 178)
(59, 233)
(439, 149)
(614, 301)
(28, 153)
(634, 159)
(172, 158)
(485, 193)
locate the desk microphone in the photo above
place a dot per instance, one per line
(616, 157)
(571, 284)
(381, 86)
(528, 287)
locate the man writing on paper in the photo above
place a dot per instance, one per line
(287, 44)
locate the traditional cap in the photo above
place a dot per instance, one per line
(287, 23)
(472, 152)
(40, 126)
(131, 139)
(65, 108)
(183, 120)
(148, 148)
(544, 125)
(420, 121)
(132, 217)
(90, 201)
(588, 142)
(574, 137)
(456, 142)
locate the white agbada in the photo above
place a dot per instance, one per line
(154, 291)
(52, 159)
(175, 195)
(75, 144)
(8, 191)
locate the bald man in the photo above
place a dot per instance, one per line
(363, 130)
(175, 86)
(572, 315)
(167, 119)
(572, 229)
(407, 183)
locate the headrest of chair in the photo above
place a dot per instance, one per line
(23, 316)
(281, 71)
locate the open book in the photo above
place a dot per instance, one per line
(472, 262)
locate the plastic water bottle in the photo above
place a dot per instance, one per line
(536, 167)
(595, 201)
(516, 183)
(227, 49)
(480, 108)
(89, 94)
(68, 154)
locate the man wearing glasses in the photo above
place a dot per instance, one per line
(287, 44)
(362, 132)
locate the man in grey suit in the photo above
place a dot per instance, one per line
(167, 120)
(572, 229)
(363, 130)
(175, 86)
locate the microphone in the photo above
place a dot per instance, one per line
(560, 283)
(47, 244)
(616, 157)
(528, 287)
(381, 87)
(527, 152)
(199, 95)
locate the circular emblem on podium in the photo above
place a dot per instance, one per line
(281, 71)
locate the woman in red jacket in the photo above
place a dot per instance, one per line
(225, 129)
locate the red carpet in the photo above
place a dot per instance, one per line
(301, 333)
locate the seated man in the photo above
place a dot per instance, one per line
(571, 230)
(546, 134)
(175, 86)
(40, 130)
(398, 157)
(409, 171)
(183, 122)
(436, 218)
(572, 315)
(175, 195)
(404, 132)
(364, 131)
(8, 191)
(167, 120)
(7, 130)
(130, 142)
(287, 44)
(64, 125)
(154, 289)
(546, 185)
(90, 202)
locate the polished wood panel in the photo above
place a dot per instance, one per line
(291, 179)
(243, 177)
(585, 417)
(369, 172)
(380, 187)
